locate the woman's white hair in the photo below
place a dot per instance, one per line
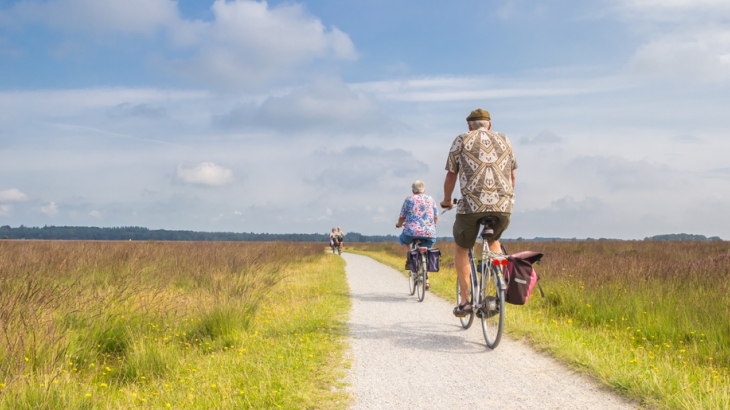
(475, 125)
(418, 187)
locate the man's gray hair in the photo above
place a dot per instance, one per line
(418, 187)
(475, 125)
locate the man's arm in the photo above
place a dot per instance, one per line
(513, 179)
(449, 185)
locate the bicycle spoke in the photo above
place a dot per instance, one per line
(421, 278)
(492, 310)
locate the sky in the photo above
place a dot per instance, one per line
(296, 117)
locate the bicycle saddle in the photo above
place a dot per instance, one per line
(488, 222)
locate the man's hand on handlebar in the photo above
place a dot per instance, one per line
(446, 204)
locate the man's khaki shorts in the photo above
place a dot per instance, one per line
(466, 228)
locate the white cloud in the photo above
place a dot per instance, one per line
(323, 105)
(621, 174)
(100, 16)
(673, 10)
(12, 195)
(5, 210)
(206, 173)
(689, 40)
(360, 168)
(544, 137)
(247, 44)
(50, 209)
(250, 43)
(439, 89)
(95, 214)
(697, 56)
(139, 110)
(36, 104)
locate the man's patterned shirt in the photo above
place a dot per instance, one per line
(484, 161)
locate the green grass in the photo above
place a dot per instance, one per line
(649, 319)
(188, 326)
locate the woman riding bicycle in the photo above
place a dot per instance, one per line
(333, 238)
(418, 217)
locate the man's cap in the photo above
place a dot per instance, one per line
(479, 115)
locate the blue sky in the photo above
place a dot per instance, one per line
(296, 117)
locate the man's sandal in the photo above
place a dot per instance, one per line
(461, 310)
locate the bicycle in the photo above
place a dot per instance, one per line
(417, 279)
(338, 246)
(487, 287)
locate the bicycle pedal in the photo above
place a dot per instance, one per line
(460, 315)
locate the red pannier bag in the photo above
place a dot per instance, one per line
(521, 277)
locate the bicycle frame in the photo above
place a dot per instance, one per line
(418, 279)
(487, 277)
(478, 276)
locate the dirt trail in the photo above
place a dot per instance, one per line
(411, 355)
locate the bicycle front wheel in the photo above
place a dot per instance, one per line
(492, 309)
(467, 320)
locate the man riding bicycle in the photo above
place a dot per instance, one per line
(484, 163)
(418, 217)
(340, 236)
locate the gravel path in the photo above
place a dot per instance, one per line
(411, 355)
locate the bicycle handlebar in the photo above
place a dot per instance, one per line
(454, 202)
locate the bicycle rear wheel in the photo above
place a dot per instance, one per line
(492, 309)
(467, 320)
(421, 277)
(411, 283)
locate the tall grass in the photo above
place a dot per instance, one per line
(93, 323)
(650, 319)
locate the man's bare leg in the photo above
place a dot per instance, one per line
(463, 267)
(463, 270)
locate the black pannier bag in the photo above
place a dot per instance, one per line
(433, 259)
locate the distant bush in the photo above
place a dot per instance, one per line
(682, 237)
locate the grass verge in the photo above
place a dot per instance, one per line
(187, 326)
(649, 319)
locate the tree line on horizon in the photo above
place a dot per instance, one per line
(137, 233)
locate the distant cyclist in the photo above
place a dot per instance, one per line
(333, 238)
(418, 217)
(340, 236)
(484, 163)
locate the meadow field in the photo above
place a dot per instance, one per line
(107, 325)
(650, 319)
